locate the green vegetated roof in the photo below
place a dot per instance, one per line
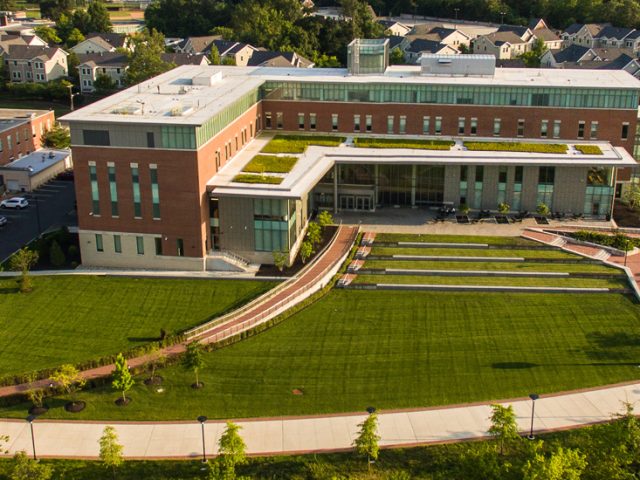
(589, 149)
(517, 147)
(403, 143)
(251, 178)
(299, 143)
(270, 163)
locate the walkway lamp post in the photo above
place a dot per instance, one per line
(626, 250)
(533, 397)
(371, 410)
(31, 419)
(202, 419)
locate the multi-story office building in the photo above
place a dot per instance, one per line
(21, 132)
(155, 163)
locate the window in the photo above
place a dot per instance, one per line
(425, 125)
(474, 126)
(158, 245)
(117, 244)
(625, 131)
(313, 120)
(279, 120)
(96, 137)
(356, 123)
(520, 132)
(461, 122)
(556, 128)
(517, 189)
(151, 142)
(403, 124)
(546, 178)
(593, 134)
(155, 191)
(301, 121)
(135, 181)
(218, 159)
(267, 120)
(390, 121)
(544, 128)
(95, 193)
(113, 189)
(369, 123)
(180, 247)
(140, 245)
(99, 244)
(502, 184)
(334, 122)
(497, 125)
(438, 125)
(581, 129)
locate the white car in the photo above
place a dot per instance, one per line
(15, 202)
(3, 221)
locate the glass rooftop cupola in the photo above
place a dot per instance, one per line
(368, 56)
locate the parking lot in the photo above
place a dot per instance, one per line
(50, 205)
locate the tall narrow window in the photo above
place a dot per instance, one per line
(135, 182)
(425, 125)
(279, 120)
(461, 127)
(180, 247)
(402, 127)
(594, 131)
(313, 121)
(556, 128)
(334, 122)
(140, 245)
(517, 189)
(390, 121)
(267, 120)
(356, 123)
(502, 184)
(546, 178)
(544, 128)
(113, 189)
(155, 192)
(218, 159)
(474, 126)
(158, 244)
(117, 244)
(301, 121)
(497, 126)
(99, 244)
(369, 123)
(520, 131)
(477, 197)
(438, 125)
(95, 194)
(581, 124)
(625, 131)
(151, 141)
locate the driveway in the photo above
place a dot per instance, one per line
(52, 202)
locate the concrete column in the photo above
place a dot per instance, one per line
(414, 168)
(375, 185)
(335, 188)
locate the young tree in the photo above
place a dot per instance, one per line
(561, 465)
(396, 57)
(145, 59)
(229, 61)
(503, 425)
(35, 394)
(110, 449)
(26, 468)
(231, 453)
(532, 58)
(3, 439)
(367, 441)
(99, 20)
(56, 255)
(194, 361)
(314, 233)
(22, 261)
(279, 259)
(632, 195)
(214, 55)
(504, 208)
(104, 84)
(56, 137)
(543, 209)
(157, 358)
(306, 250)
(324, 218)
(464, 209)
(69, 379)
(122, 379)
(74, 38)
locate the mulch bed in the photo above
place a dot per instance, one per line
(626, 217)
(272, 270)
(197, 386)
(156, 380)
(542, 220)
(75, 407)
(123, 402)
(38, 410)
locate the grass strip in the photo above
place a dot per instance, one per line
(251, 178)
(403, 143)
(489, 240)
(472, 252)
(270, 163)
(299, 143)
(517, 147)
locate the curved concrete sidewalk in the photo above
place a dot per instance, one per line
(289, 435)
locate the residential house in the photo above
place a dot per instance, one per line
(612, 36)
(92, 65)
(185, 59)
(540, 30)
(6, 40)
(570, 55)
(196, 44)
(418, 46)
(239, 52)
(101, 43)
(36, 64)
(269, 58)
(395, 28)
(503, 44)
(448, 36)
(582, 34)
(632, 41)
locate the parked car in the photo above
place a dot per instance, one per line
(15, 202)
(67, 175)
(3, 221)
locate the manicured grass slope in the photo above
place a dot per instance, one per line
(399, 349)
(489, 265)
(76, 318)
(472, 252)
(489, 240)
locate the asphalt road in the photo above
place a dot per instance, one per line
(52, 202)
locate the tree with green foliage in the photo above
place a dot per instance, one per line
(3, 439)
(145, 59)
(68, 378)
(99, 20)
(560, 465)
(229, 60)
(533, 57)
(57, 137)
(157, 358)
(74, 38)
(110, 450)
(306, 250)
(182, 18)
(504, 208)
(503, 426)
(214, 55)
(324, 218)
(22, 261)
(280, 259)
(542, 209)
(464, 209)
(48, 34)
(314, 233)
(631, 195)
(104, 84)
(26, 468)
(231, 453)
(122, 379)
(225, 32)
(56, 255)
(54, 8)
(396, 57)
(7, 5)
(326, 61)
(193, 360)
(367, 441)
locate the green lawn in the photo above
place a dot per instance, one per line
(473, 252)
(489, 240)
(397, 349)
(509, 281)
(367, 142)
(270, 163)
(299, 143)
(77, 318)
(489, 265)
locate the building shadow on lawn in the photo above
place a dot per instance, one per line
(9, 290)
(612, 346)
(513, 365)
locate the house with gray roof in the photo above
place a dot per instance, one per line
(35, 64)
(92, 65)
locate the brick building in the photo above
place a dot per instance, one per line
(20, 132)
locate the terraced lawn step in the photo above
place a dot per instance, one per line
(442, 245)
(564, 266)
(465, 246)
(488, 273)
(451, 258)
(490, 288)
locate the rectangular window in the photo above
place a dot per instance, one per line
(313, 121)
(438, 126)
(581, 129)
(113, 189)
(140, 245)
(155, 191)
(180, 247)
(135, 181)
(474, 126)
(479, 173)
(267, 120)
(497, 126)
(96, 137)
(402, 127)
(556, 128)
(99, 244)
(151, 141)
(117, 244)
(461, 126)
(369, 123)
(279, 120)
(425, 125)
(520, 132)
(301, 121)
(464, 172)
(95, 193)
(158, 244)
(334, 122)
(390, 121)
(544, 128)
(625, 131)
(356, 123)
(593, 134)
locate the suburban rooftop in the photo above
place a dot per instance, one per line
(192, 94)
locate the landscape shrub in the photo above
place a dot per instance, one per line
(270, 163)
(589, 149)
(618, 240)
(299, 143)
(252, 178)
(403, 143)
(517, 147)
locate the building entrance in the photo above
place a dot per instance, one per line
(394, 184)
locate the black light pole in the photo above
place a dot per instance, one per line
(533, 397)
(626, 250)
(371, 410)
(202, 419)
(30, 419)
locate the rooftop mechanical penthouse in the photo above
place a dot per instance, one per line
(157, 165)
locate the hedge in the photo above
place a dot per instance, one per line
(517, 147)
(403, 143)
(589, 149)
(299, 143)
(617, 240)
(251, 178)
(270, 163)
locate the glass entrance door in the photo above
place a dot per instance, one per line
(394, 184)
(363, 203)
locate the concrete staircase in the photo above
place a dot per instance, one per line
(229, 262)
